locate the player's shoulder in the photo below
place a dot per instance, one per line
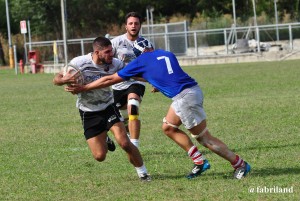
(162, 52)
(82, 61)
(119, 38)
(118, 63)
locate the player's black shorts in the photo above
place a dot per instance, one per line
(95, 123)
(120, 96)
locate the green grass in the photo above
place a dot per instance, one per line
(254, 108)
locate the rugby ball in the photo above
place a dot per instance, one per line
(71, 69)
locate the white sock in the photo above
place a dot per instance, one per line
(141, 170)
(136, 142)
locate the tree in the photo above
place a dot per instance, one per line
(98, 17)
(44, 15)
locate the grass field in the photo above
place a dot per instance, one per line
(253, 107)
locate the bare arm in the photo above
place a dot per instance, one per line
(103, 82)
(154, 90)
(59, 79)
(139, 79)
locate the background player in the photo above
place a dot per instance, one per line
(128, 94)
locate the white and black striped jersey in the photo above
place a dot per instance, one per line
(97, 99)
(123, 50)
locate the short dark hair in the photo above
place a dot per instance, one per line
(133, 14)
(100, 43)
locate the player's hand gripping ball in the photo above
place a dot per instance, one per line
(73, 75)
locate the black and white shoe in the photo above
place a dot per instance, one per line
(198, 169)
(241, 172)
(145, 177)
(110, 144)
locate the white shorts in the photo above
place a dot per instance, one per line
(188, 105)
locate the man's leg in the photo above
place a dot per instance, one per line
(131, 120)
(203, 136)
(134, 123)
(124, 114)
(134, 156)
(94, 133)
(170, 127)
(98, 146)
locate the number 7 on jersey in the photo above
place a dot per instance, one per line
(168, 63)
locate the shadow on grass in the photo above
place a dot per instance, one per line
(255, 172)
(229, 175)
(263, 147)
(275, 171)
(263, 173)
(206, 151)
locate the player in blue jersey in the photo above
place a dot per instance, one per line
(161, 69)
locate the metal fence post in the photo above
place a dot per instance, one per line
(15, 58)
(64, 24)
(291, 37)
(82, 47)
(257, 39)
(196, 43)
(166, 42)
(185, 36)
(225, 41)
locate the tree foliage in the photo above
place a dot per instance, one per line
(87, 18)
(98, 17)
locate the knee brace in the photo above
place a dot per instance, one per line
(200, 134)
(134, 109)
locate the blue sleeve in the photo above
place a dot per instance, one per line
(133, 69)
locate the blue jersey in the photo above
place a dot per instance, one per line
(161, 69)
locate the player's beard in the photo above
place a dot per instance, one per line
(134, 34)
(103, 60)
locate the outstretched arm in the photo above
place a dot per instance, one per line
(139, 79)
(103, 82)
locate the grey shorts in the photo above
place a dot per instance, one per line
(188, 105)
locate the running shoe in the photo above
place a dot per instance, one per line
(198, 170)
(110, 144)
(145, 177)
(241, 172)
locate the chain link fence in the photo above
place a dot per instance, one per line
(177, 38)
